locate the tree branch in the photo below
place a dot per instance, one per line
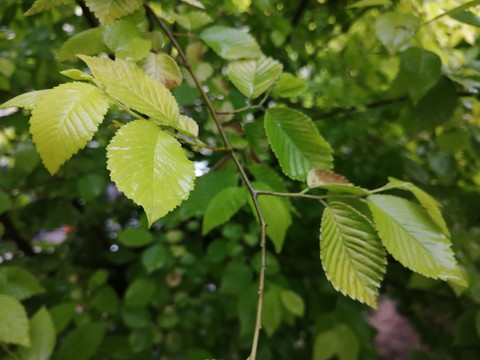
(248, 184)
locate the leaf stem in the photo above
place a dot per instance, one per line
(246, 108)
(248, 184)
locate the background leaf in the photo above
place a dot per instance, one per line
(42, 337)
(413, 239)
(42, 5)
(64, 120)
(14, 322)
(272, 310)
(131, 86)
(108, 10)
(150, 167)
(352, 255)
(126, 41)
(254, 77)
(230, 43)
(87, 42)
(395, 30)
(296, 142)
(289, 86)
(163, 68)
(83, 342)
(18, 283)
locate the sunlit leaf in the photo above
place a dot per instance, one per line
(64, 120)
(367, 3)
(27, 100)
(43, 5)
(109, 10)
(87, 42)
(254, 77)
(296, 142)
(83, 342)
(289, 86)
(163, 68)
(42, 337)
(18, 283)
(352, 254)
(230, 43)
(126, 82)
(223, 206)
(126, 41)
(429, 203)
(411, 236)
(193, 20)
(187, 126)
(76, 74)
(14, 325)
(395, 30)
(195, 3)
(150, 167)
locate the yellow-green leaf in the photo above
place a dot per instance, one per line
(109, 10)
(150, 167)
(87, 42)
(126, 41)
(296, 142)
(230, 43)
(163, 68)
(76, 74)
(42, 337)
(64, 120)
(289, 86)
(352, 254)
(14, 325)
(27, 100)
(187, 126)
(126, 82)
(193, 20)
(42, 5)
(254, 77)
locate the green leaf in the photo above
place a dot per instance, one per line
(272, 310)
(83, 342)
(455, 10)
(368, 3)
(289, 86)
(42, 337)
(150, 167)
(195, 3)
(230, 43)
(125, 40)
(276, 213)
(331, 181)
(14, 325)
(163, 68)
(109, 10)
(154, 258)
(62, 314)
(348, 347)
(42, 5)
(76, 74)
(223, 206)
(411, 236)
(87, 42)
(126, 82)
(64, 120)
(106, 300)
(325, 345)
(429, 203)
(140, 292)
(419, 71)
(193, 20)
(467, 17)
(187, 126)
(235, 278)
(5, 204)
(254, 77)
(18, 283)
(292, 302)
(266, 175)
(395, 30)
(135, 237)
(27, 100)
(352, 254)
(296, 142)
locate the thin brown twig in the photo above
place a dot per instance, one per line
(248, 184)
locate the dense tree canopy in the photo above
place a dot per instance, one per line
(233, 179)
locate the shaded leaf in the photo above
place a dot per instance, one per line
(292, 302)
(429, 203)
(150, 167)
(87, 42)
(193, 20)
(223, 206)
(411, 236)
(140, 292)
(27, 100)
(62, 314)
(18, 283)
(195, 3)
(163, 68)
(42, 337)
(395, 30)
(42, 5)
(135, 237)
(466, 17)
(14, 324)
(126, 82)
(325, 345)
(64, 120)
(289, 86)
(154, 258)
(125, 40)
(457, 9)
(331, 181)
(83, 342)
(352, 254)
(254, 77)
(272, 310)
(230, 43)
(296, 142)
(367, 3)
(109, 10)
